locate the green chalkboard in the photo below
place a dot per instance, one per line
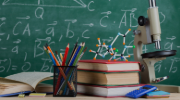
(26, 25)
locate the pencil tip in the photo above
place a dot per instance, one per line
(56, 52)
(46, 45)
(68, 45)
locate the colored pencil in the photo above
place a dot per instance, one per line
(61, 56)
(48, 47)
(78, 55)
(57, 84)
(60, 69)
(46, 51)
(58, 57)
(72, 52)
(65, 55)
(52, 58)
(66, 80)
(74, 57)
(82, 54)
(59, 76)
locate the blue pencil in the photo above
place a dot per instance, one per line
(52, 58)
(74, 57)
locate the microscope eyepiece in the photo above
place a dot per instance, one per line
(152, 3)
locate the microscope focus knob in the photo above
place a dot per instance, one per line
(136, 32)
(142, 21)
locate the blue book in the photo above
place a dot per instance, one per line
(14, 94)
(156, 93)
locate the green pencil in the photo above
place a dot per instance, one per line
(46, 51)
(76, 60)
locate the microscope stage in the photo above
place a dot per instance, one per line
(159, 54)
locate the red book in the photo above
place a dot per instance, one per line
(106, 91)
(106, 66)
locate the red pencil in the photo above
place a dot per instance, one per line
(65, 55)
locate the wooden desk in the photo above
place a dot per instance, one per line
(174, 96)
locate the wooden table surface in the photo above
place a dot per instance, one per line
(173, 96)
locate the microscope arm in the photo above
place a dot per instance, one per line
(143, 36)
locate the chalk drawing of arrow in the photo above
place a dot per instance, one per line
(132, 10)
(3, 18)
(27, 17)
(46, 39)
(80, 2)
(90, 25)
(108, 40)
(108, 12)
(54, 23)
(72, 20)
(173, 37)
(62, 49)
(18, 41)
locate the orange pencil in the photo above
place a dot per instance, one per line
(60, 69)
(65, 55)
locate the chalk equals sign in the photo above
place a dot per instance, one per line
(62, 51)
(14, 67)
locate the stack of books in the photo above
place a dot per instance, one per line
(107, 79)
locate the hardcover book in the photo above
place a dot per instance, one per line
(106, 91)
(106, 66)
(25, 82)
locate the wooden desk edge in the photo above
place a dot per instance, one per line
(175, 96)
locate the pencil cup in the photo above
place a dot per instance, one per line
(65, 81)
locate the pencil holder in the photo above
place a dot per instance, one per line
(65, 81)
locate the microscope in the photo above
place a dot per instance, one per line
(148, 32)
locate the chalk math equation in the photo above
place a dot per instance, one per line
(21, 31)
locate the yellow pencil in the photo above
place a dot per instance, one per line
(61, 56)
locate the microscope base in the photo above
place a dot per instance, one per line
(168, 88)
